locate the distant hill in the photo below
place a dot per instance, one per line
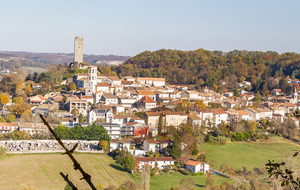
(12, 60)
(220, 70)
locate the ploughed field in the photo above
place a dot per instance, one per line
(250, 155)
(41, 171)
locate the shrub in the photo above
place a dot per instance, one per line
(152, 173)
(175, 168)
(2, 151)
(195, 151)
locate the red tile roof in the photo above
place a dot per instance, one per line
(147, 99)
(192, 163)
(144, 159)
(146, 92)
(164, 159)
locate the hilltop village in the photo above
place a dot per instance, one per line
(161, 124)
(147, 108)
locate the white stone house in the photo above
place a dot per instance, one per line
(220, 116)
(155, 145)
(34, 128)
(196, 167)
(8, 127)
(146, 103)
(99, 114)
(152, 81)
(108, 98)
(162, 162)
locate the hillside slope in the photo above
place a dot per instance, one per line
(202, 67)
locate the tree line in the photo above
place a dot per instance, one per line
(91, 132)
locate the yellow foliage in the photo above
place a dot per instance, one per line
(104, 145)
(4, 99)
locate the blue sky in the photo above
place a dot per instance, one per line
(133, 26)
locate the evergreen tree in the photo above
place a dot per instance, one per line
(257, 97)
(236, 92)
(80, 118)
(175, 150)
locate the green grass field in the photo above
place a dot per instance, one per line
(41, 171)
(250, 155)
(167, 181)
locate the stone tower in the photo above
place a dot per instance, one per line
(78, 50)
(91, 81)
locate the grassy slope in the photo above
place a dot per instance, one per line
(168, 181)
(250, 155)
(41, 171)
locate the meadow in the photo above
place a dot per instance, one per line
(41, 171)
(250, 155)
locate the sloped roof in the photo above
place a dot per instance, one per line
(192, 163)
(164, 159)
(147, 99)
(146, 92)
(103, 84)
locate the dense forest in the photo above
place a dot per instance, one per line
(219, 70)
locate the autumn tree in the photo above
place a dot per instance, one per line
(251, 125)
(223, 168)
(72, 86)
(200, 105)
(185, 104)
(104, 144)
(210, 180)
(10, 117)
(26, 116)
(2, 120)
(4, 99)
(188, 184)
(19, 87)
(18, 100)
(28, 89)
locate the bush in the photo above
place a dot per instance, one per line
(2, 151)
(175, 168)
(185, 172)
(195, 151)
(152, 173)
